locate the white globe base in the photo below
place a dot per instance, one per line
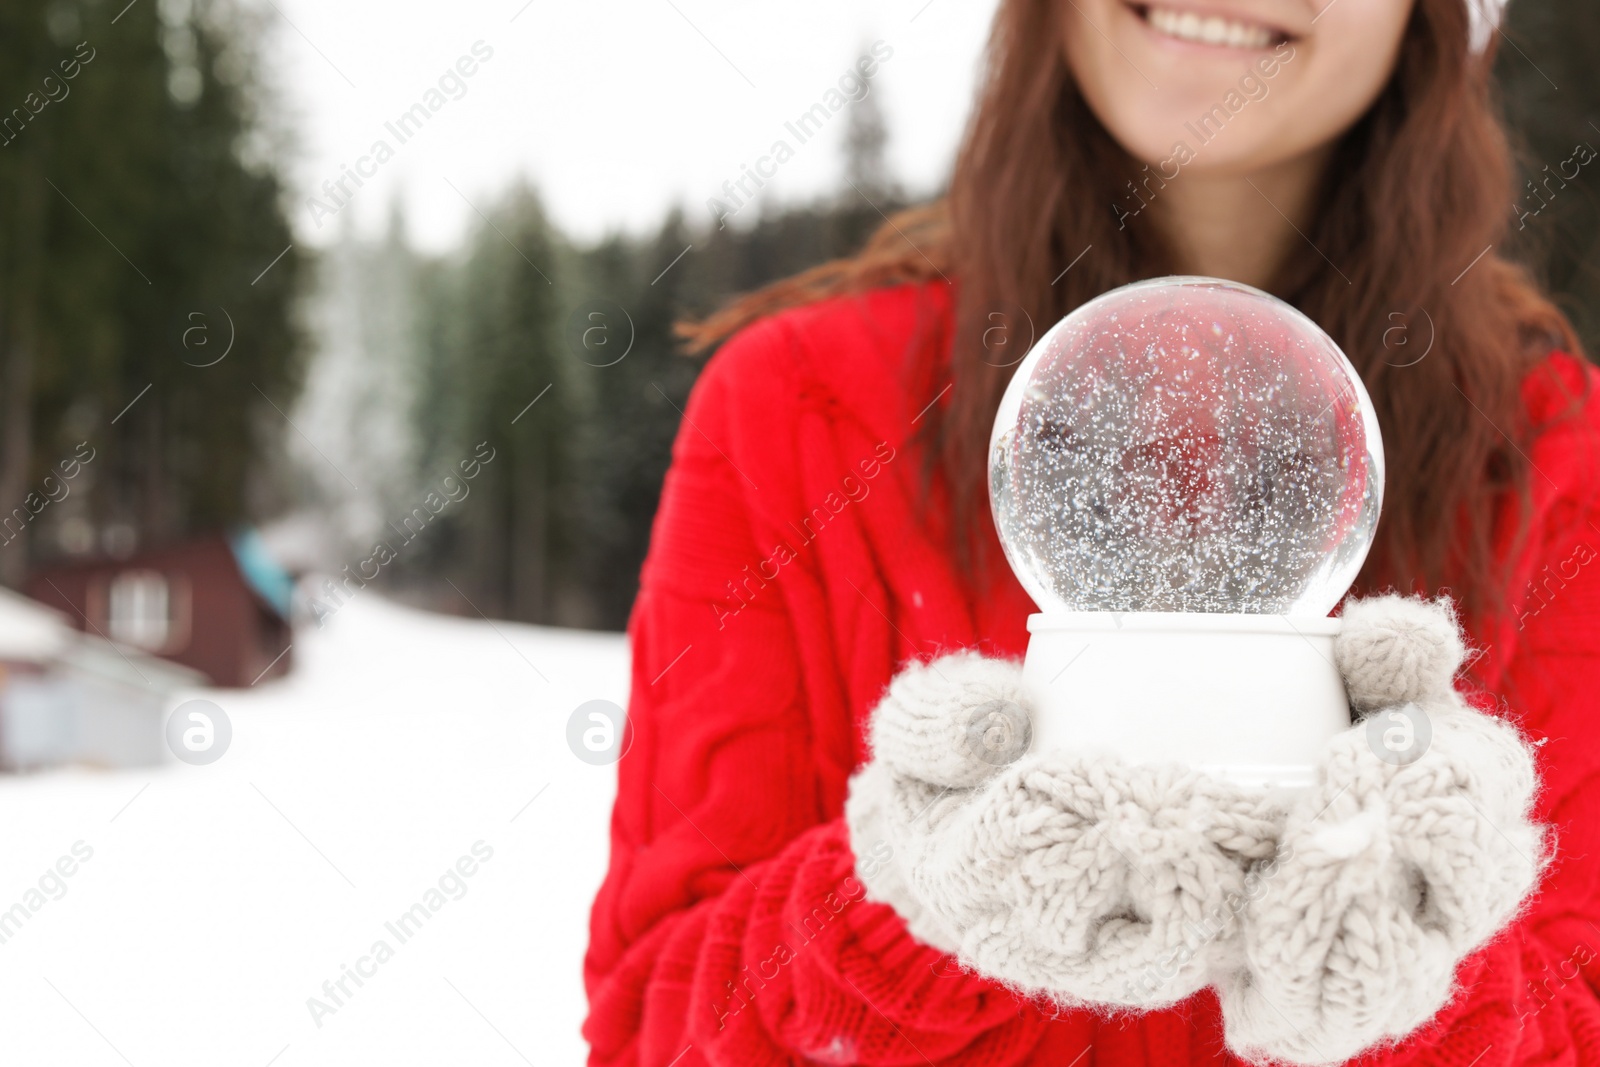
(1249, 698)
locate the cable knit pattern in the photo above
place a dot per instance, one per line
(1327, 926)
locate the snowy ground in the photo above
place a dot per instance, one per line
(218, 899)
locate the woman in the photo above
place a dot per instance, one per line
(825, 523)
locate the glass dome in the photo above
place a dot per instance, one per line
(1186, 444)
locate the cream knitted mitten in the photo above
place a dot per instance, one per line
(1326, 926)
(1392, 872)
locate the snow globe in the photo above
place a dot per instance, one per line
(1186, 475)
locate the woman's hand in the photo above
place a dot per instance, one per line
(1061, 873)
(1327, 922)
(1396, 865)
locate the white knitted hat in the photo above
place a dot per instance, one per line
(1486, 15)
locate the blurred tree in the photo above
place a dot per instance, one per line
(137, 226)
(494, 382)
(1552, 103)
(559, 523)
(866, 141)
(357, 399)
(637, 292)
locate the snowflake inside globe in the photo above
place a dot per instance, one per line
(1186, 444)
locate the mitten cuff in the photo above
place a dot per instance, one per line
(878, 865)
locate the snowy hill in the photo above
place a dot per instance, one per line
(187, 915)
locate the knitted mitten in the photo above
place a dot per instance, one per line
(1067, 874)
(1326, 927)
(1414, 848)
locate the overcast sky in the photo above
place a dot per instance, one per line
(614, 109)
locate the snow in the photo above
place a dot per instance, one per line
(218, 899)
(29, 631)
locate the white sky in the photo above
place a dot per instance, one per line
(614, 109)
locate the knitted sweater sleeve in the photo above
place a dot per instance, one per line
(730, 928)
(1532, 996)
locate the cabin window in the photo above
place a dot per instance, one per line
(139, 609)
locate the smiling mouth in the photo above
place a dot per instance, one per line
(1209, 29)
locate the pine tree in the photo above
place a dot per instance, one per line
(134, 253)
(1545, 68)
(866, 141)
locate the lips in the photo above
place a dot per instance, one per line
(1210, 29)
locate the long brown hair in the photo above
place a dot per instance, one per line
(1416, 192)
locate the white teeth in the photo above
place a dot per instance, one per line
(1188, 26)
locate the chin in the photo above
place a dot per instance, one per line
(1197, 144)
(1152, 138)
(1205, 122)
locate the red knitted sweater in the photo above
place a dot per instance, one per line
(792, 572)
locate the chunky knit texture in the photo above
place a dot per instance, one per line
(1328, 921)
(792, 575)
(1071, 876)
